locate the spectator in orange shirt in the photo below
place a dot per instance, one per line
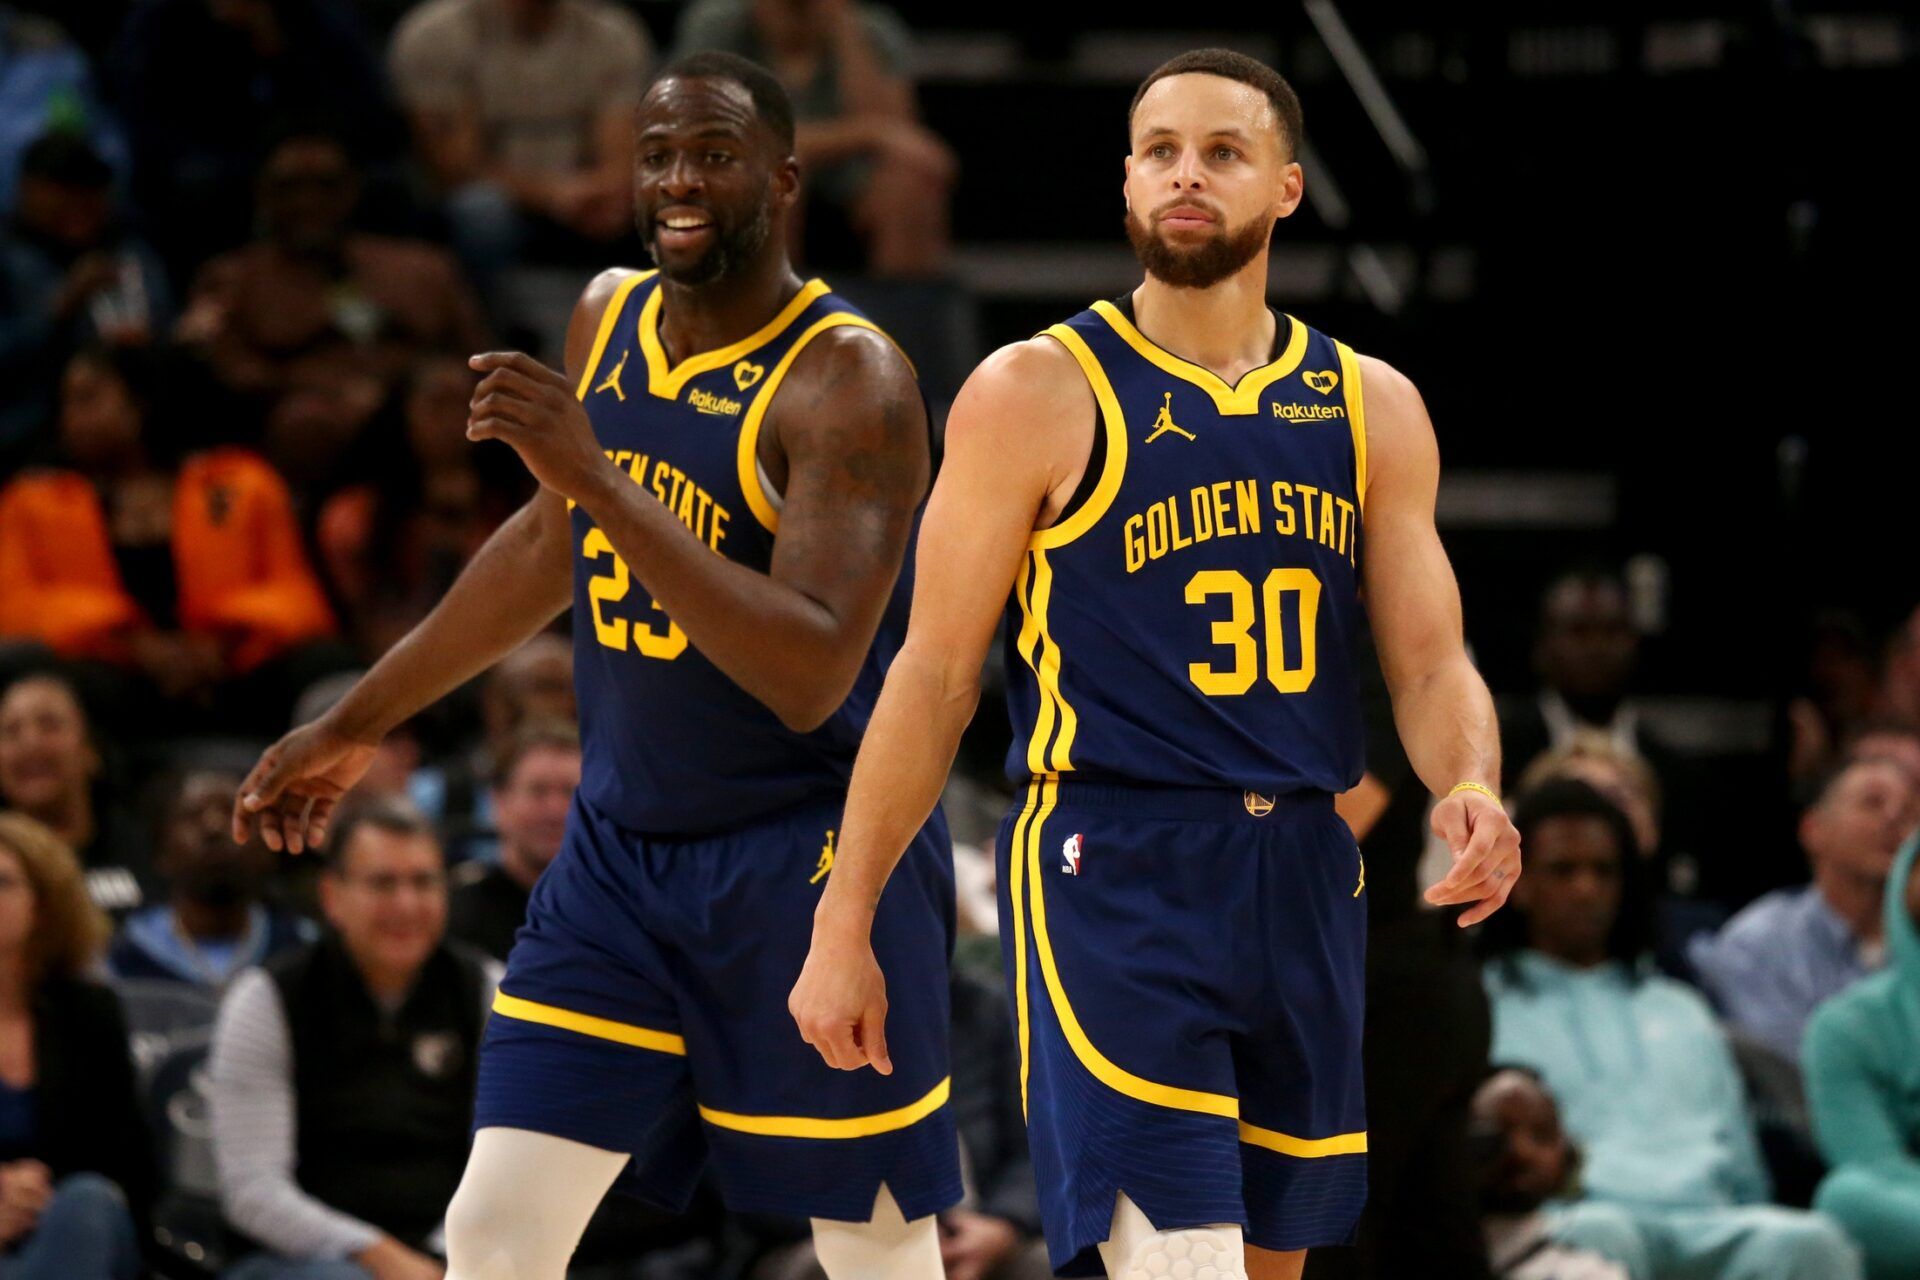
(188, 574)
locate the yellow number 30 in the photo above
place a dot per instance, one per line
(1235, 631)
(609, 588)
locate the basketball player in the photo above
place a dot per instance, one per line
(1183, 492)
(730, 471)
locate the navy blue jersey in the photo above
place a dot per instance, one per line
(673, 745)
(1192, 622)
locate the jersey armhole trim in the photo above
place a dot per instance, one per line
(1113, 422)
(1356, 421)
(747, 457)
(608, 318)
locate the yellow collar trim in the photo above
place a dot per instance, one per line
(668, 383)
(1243, 397)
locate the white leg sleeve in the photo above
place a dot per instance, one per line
(523, 1204)
(1134, 1250)
(887, 1247)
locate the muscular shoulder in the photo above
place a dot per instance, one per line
(587, 313)
(855, 358)
(1403, 458)
(1025, 390)
(1039, 370)
(850, 388)
(1029, 405)
(1393, 403)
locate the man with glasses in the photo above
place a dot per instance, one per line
(342, 1072)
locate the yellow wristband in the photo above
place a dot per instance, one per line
(1488, 792)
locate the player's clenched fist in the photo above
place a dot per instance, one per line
(1486, 854)
(840, 1002)
(533, 408)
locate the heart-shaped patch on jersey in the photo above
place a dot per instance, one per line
(1322, 380)
(745, 375)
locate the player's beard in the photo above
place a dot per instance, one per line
(734, 246)
(1204, 265)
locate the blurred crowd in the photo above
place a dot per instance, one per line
(246, 248)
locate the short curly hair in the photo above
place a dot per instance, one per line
(770, 101)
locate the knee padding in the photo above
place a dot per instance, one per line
(1135, 1250)
(1191, 1253)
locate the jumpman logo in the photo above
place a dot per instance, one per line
(826, 861)
(1164, 423)
(613, 379)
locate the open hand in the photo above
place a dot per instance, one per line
(291, 793)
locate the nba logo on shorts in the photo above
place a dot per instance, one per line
(1070, 850)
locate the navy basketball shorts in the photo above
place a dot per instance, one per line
(644, 1010)
(1187, 970)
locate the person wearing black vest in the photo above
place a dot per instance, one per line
(343, 1072)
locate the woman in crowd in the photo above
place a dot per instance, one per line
(50, 769)
(184, 568)
(75, 1165)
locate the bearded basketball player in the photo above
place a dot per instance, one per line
(1176, 499)
(731, 468)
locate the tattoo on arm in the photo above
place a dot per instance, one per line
(862, 475)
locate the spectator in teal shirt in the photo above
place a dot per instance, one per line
(1673, 1184)
(1862, 1060)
